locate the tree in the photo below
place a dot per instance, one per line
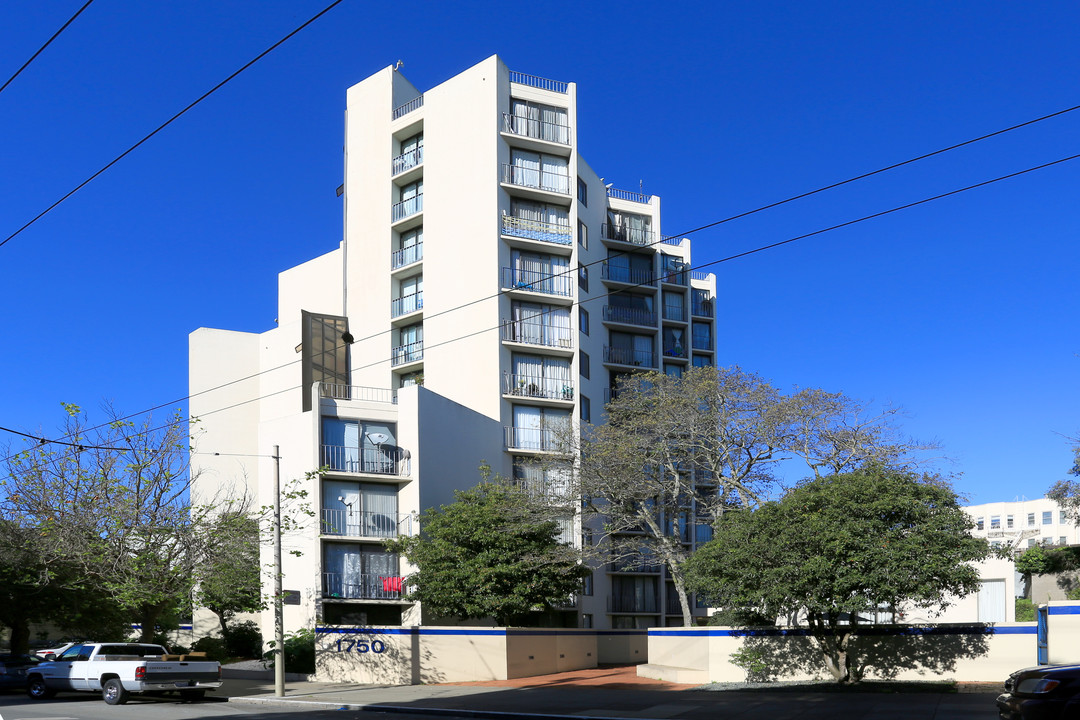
(491, 553)
(229, 579)
(840, 547)
(677, 453)
(1066, 493)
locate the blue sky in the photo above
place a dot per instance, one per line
(961, 311)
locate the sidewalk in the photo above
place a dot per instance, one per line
(618, 693)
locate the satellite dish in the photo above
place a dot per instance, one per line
(377, 438)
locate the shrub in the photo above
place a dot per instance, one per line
(214, 647)
(299, 652)
(1025, 610)
(244, 640)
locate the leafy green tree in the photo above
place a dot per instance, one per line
(228, 577)
(839, 547)
(492, 553)
(1066, 493)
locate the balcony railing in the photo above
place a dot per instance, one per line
(625, 356)
(637, 564)
(365, 523)
(675, 312)
(406, 304)
(532, 332)
(407, 256)
(699, 275)
(524, 438)
(701, 342)
(528, 127)
(629, 316)
(548, 489)
(537, 179)
(702, 308)
(674, 351)
(537, 387)
(363, 587)
(537, 281)
(407, 161)
(536, 230)
(630, 276)
(632, 235)
(405, 208)
(414, 104)
(538, 82)
(632, 604)
(407, 353)
(338, 391)
(630, 195)
(672, 241)
(375, 461)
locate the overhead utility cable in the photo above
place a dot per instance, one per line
(168, 122)
(47, 42)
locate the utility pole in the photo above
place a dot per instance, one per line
(279, 611)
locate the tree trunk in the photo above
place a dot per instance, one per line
(148, 619)
(20, 637)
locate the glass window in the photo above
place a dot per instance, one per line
(673, 370)
(1048, 517)
(540, 376)
(586, 620)
(583, 235)
(586, 409)
(583, 320)
(359, 446)
(702, 361)
(1031, 542)
(1061, 517)
(995, 522)
(1008, 521)
(583, 365)
(1031, 519)
(544, 122)
(1063, 540)
(587, 585)
(978, 523)
(352, 570)
(359, 509)
(324, 348)
(582, 192)
(583, 277)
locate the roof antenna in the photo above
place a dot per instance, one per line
(398, 65)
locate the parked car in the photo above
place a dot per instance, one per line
(53, 650)
(1047, 692)
(13, 670)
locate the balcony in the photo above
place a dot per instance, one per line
(674, 274)
(675, 350)
(406, 304)
(626, 356)
(626, 275)
(407, 161)
(675, 312)
(538, 82)
(536, 129)
(701, 342)
(407, 353)
(337, 391)
(531, 386)
(537, 230)
(629, 316)
(702, 308)
(632, 604)
(407, 256)
(536, 179)
(534, 439)
(401, 110)
(406, 208)
(633, 235)
(703, 534)
(365, 523)
(371, 460)
(363, 587)
(533, 332)
(558, 284)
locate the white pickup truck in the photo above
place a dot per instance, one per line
(118, 669)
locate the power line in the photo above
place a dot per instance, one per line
(729, 258)
(47, 42)
(168, 122)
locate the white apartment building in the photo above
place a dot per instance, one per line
(1021, 524)
(489, 287)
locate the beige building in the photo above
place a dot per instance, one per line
(489, 288)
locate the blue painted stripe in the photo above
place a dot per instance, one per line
(862, 630)
(476, 631)
(1063, 610)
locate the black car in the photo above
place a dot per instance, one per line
(13, 670)
(1048, 692)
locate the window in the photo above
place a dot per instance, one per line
(537, 170)
(324, 344)
(583, 365)
(1048, 517)
(586, 620)
(702, 304)
(545, 480)
(539, 272)
(410, 347)
(995, 522)
(411, 155)
(360, 446)
(631, 593)
(410, 248)
(632, 308)
(629, 349)
(673, 370)
(544, 122)
(702, 336)
(352, 570)
(586, 409)
(1063, 540)
(1031, 519)
(673, 269)
(538, 221)
(583, 277)
(410, 296)
(1009, 521)
(587, 585)
(540, 377)
(674, 306)
(537, 428)
(701, 361)
(1031, 542)
(627, 267)
(582, 192)
(359, 509)
(1061, 517)
(539, 324)
(674, 342)
(628, 227)
(583, 235)
(978, 523)
(583, 320)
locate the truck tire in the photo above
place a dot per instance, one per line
(113, 692)
(192, 695)
(38, 690)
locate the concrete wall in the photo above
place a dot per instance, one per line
(1063, 632)
(428, 654)
(938, 652)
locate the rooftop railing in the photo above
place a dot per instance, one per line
(337, 391)
(630, 195)
(699, 275)
(538, 82)
(401, 110)
(672, 241)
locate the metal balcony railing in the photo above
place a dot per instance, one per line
(629, 316)
(414, 104)
(630, 195)
(407, 161)
(528, 127)
(406, 304)
(632, 604)
(702, 308)
(701, 342)
(338, 391)
(675, 351)
(538, 281)
(672, 241)
(699, 275)
(629, 276)
(538, 82)
(675, 312)
(524, 438)
(538, 387)
(626, 356)
(375, 461)
(535, 230)
(407, 256)
(365, 523)
(532, 332)
(406, 208)
(632, 235)
(407, 353)
(537, 179)
(363, 586)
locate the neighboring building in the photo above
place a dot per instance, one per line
(1023, 523)
(495, 287)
